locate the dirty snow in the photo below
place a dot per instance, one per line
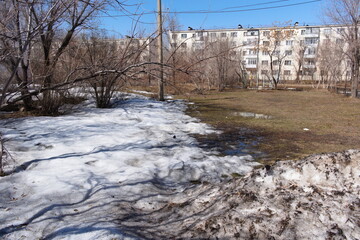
(79, 176)
(314, 198)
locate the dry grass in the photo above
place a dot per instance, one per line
(333, 120)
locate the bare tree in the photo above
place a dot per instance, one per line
(299, 52)
(18, 30)
(330, 61)
(272, 47)
(172, 55)
(347, 13)
(49, 26)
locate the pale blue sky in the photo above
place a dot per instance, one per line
(249, 13)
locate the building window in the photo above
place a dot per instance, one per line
(311, 40)
(289, 42)
(266, 33)
(264, 62)
(327, 31)
(277, 43)
(310, 62)
(266, 43)
(233, 44)
(174, 36)
(264, 72)
(275, 72)
(252, 52)
(174, 45)
(213, 35)
(198, 45)
(340, 30)
(183, 45)
(250, 42)
(276, 53)
(288, 52)
(339, 41)
(200, 34)
(287, 72)
(251, 61)
(310, 51)
(303, 32)
(308, 72)
(183, 35)
(223, 35)
(287, 62)
(193, 35)
(275, 62)
(311, 30)
(264, 53)
(234, 34)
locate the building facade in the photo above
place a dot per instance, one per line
(292, 53)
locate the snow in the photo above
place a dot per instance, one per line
(313, 198)
(76, 176)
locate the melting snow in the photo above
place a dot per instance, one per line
(76, 174)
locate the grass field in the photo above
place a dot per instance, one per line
(333, 120)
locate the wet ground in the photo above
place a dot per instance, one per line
(232, 141)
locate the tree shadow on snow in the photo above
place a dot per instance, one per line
(107, 209)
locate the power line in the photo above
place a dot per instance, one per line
(218, 11)
(256, 4)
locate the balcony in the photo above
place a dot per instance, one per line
(311, 56)
(311, 32)
(251, 65)
(309, 66)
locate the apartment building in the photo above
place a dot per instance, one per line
(291, 53)
(142, 49)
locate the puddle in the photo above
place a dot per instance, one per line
(252, 115)
(233, 142)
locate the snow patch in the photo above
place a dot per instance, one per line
(77, 175)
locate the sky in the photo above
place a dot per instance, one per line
(248, 13)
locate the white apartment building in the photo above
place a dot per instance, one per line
(291, 53)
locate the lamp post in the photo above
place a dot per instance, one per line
(160, 51)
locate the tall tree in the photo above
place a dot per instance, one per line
(347, 13)
(274, 39)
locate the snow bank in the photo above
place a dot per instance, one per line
(77, 175)
(315, 198)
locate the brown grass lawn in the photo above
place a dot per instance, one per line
(333, 120)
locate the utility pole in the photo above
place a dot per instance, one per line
(160, 51)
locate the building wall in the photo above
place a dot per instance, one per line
(299, 50)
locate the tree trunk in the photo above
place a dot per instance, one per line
(355, 79)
